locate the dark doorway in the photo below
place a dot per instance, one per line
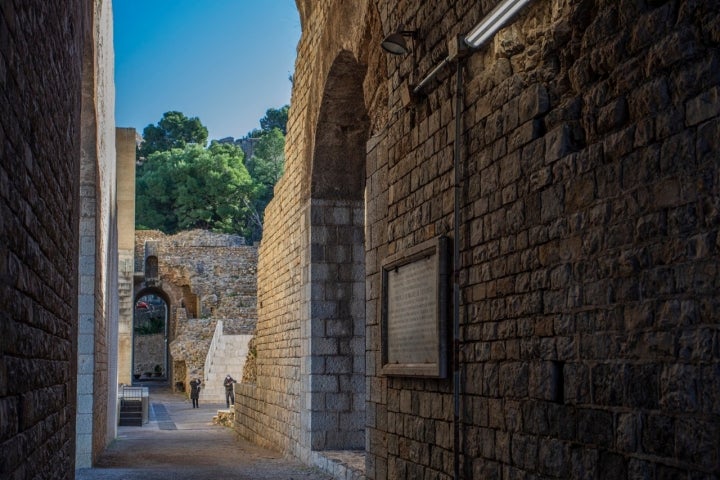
(150, 335)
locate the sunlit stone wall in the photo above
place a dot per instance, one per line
(203, 276)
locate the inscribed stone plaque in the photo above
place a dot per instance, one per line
(414, 311)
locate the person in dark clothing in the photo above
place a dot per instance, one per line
(195, 392)
(229, 393)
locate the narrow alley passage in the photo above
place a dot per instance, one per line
(181, 443)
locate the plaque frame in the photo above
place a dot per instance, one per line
(437, 249)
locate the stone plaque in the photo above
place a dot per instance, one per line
(415, 311)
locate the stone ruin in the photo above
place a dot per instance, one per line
(204, 277)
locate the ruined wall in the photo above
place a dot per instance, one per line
(588, 225)
(204, 276)
(149, 352)
(190, 346)
(41, 82)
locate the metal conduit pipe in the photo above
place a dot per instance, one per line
(457, 150)
(432, 74)
(503, 12)
(457, 377)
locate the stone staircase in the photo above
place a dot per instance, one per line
(226, 355)
(130, 413)
(131, 407)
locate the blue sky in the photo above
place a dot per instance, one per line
(224, 61)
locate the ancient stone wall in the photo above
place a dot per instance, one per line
(41, 80)
(588, 244)
(587, 235)
(190, 346)
(148, 353)
(204, 277)
(218, 269)
(310, 348)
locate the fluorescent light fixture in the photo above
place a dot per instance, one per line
(493, 22)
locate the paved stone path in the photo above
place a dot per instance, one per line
(194, 449)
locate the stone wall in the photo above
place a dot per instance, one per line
(190, 346)
(98, 255)
(43, 77)
(588, 247)
(203, 277)
(149, 352)
(310, 336)
(125, 140)
(215, 271)
(587, 237)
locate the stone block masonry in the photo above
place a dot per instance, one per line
(50, 65)
(588, 237)
(205, 277)
(588, 249)
(310, 341)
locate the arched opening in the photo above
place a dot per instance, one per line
(337, 263)
(150, 336)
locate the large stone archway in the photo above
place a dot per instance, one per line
(309, 394)
(334, 368)
(150, 346)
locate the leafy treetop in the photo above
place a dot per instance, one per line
(194, 187)
(182, 185)
(174, 130)
(274, 118)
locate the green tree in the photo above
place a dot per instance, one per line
(195, 187)
(174, 130)
(268, 161)
(275, 118)
(266, 166)
(155, 188)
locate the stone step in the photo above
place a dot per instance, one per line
(229, 358)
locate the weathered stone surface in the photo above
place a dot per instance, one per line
(587, 237)
(57, 234)
(203, 277)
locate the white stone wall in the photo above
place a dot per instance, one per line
(97, 326)
(126, 249)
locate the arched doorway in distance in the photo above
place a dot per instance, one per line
(151, 330)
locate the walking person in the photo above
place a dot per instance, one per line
(195, 392)
(229, 393)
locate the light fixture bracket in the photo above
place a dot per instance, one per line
(395, 42)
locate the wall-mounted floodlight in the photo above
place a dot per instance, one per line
(493, 22)
(395, 42)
